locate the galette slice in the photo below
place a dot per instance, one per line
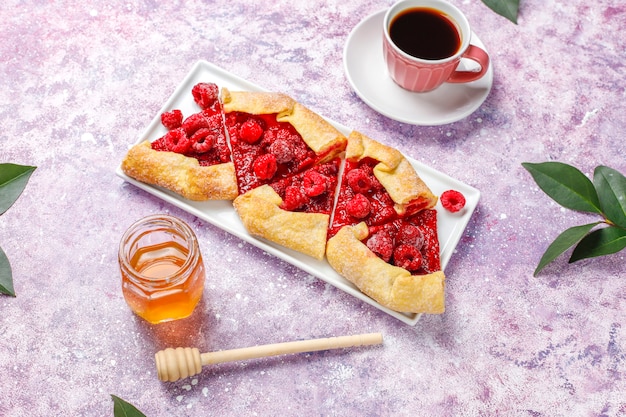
(396, 264)
(193, 158)
(274, 137)
(378, 186)
(294, 211)
(383, 236)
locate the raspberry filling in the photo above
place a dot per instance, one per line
(311, 191)
(362, 197)
(201, 135)
(410, 242)
(265, 150)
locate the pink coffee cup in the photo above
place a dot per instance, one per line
(424, 42)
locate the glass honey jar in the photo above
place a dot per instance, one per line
(162, 269)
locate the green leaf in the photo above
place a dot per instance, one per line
(6, 278)
(13, 180)
(600, 242)
(611, 188)
(123, 409)
(505, 8)
(566, 185)
(563, 242)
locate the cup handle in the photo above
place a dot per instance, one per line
(477, 54)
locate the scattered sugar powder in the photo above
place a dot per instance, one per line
(339, 375)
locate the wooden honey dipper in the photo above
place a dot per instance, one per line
(174, 364)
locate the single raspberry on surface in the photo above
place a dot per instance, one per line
(407, 257)
(205, 94)
(265, 166)
(172, 119)
(203, 140)
(410, 235)
(359, 181)
(250, 131)
(381, 244)
(177, 141)
(294, 198)
(359, 206)
(314, 183)
(452, 200)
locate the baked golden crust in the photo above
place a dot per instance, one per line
(391, 286)
(256, 102)
(316, 132)
(260, 212)
(394, 172)
(180, 174)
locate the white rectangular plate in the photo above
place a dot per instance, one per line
(223, 215)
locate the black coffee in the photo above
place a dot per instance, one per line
(425, 33)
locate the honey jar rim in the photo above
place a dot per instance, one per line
(180, 226)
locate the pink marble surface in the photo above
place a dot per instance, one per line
(81, 80)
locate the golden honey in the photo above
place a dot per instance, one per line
(162, 268)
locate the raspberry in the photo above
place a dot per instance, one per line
(195, 122)
(203, 140)
(282, 150)
(314, 183)
(205, 94)
(452, 200)
(172, 119)
(381, 244)
(250, 131)
(294, 198)
(410, 235)
(382, 214)
(359, 206)
(177, 141)
(359, 181)
(160, 144)
(265, 166)
(407, 257)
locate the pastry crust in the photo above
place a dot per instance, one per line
(391, 286)
(316, 132)
(394, 172)
(180, 174)
(260, 212)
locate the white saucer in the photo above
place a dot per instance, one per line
(367, 73)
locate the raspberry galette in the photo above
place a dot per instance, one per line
(193, 158)
(286, 164)
(383, 236)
